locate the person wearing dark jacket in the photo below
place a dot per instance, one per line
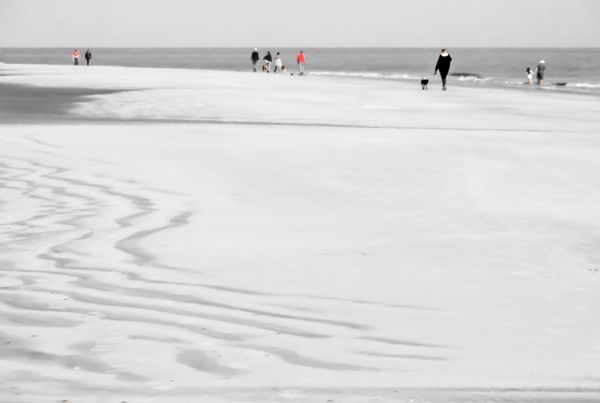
(255, 58)
(540, 71)
(88, 56)
(443, 65)
(268, 60)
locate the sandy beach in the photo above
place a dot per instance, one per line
(170, 235)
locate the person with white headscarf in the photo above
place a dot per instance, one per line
(540, 72)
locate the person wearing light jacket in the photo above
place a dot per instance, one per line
(76, 57)
(278, 63)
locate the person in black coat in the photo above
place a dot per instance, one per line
(255, 58)
(443, 65)
(88, 57)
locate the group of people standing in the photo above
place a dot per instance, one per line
(279, 66)
(87, 55)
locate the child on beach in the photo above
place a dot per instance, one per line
(268, 60)
(76, 57)
(278, 63)
(529, 73)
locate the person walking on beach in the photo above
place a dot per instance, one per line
(278, 64)
(88, 56)
(301, 60)
(76, 57)
(268, 60)
(255, 58)
(443, 65)
(529, 76)
(540, 72)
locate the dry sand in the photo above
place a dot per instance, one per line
(172, 235)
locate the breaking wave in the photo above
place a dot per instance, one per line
(591, 86)
(368, 74)
(466, 77)
(471, 77)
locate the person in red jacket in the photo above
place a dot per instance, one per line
(301, 60)
(75, 57)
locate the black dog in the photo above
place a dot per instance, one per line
(424, 83)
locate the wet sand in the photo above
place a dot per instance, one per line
(30, 104)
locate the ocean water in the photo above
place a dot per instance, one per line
(578, 68)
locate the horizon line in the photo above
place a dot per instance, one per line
(300, 47)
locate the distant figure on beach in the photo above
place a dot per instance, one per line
(529, 73)
(278, 63)
(301, 60)
(255, 58)
(443, 65)
(76, 57)
(268, 60)
(88, 56)
(540, 72)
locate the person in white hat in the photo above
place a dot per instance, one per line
(540, 71)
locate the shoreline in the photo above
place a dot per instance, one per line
(469, 84)
(350, 395)
(413, 81)
(77, 91)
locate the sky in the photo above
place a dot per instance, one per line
(305, 23)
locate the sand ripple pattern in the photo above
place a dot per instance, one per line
(86, 306)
